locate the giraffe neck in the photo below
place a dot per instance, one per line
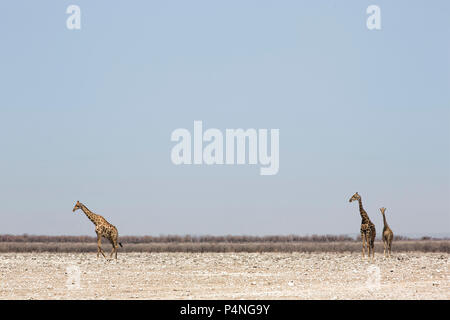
(384, 220)
(89, 213)
(364, 216)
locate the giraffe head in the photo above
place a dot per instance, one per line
(355, 197)
(382, 210)
(77, 206)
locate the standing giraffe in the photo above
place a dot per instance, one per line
(367, 228)
(387, 236)
(102, 228)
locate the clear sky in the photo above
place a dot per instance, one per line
(87, 115)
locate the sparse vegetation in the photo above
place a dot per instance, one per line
(188, 243)
(180, 238)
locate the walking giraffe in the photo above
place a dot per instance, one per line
(102, 228)
(387, 236)
(367, 228)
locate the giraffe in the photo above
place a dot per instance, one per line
(367, 228)
(387, 236)
(102, 228)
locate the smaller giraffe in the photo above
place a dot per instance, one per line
(102, 228)
(387, 235)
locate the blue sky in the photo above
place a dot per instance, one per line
(87, 115)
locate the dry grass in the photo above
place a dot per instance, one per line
(294, 246)
(181, 238)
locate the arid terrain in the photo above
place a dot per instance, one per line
(231, 275)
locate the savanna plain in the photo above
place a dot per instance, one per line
(311, 274)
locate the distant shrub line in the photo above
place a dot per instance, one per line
(188, 238)
(174, 243)
(337, 246)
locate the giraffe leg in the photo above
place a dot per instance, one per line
(113, 241)
(384, 244)
(390, 246)
(368, 245)
(363, 238)
(373, 248)
(114, 249)
(372, 244)
(99, 241)
(99, 246)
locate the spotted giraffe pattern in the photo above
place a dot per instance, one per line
(367, 230)
(102, 228)
(387, 236)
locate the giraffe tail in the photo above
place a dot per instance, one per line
(120, 245)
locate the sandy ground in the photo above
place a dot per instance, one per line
(224, 276)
